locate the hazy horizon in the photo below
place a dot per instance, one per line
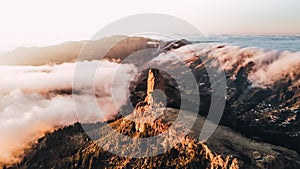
(34, 23)
(49, 44)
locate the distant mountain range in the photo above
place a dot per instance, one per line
(70, 51)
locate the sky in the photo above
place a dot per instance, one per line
(40, 23)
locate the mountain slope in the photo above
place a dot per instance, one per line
(70, 51)
(72, 148)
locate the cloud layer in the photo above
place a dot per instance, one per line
(36, 99)
(269, 66)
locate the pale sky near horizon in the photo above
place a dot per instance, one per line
(40, 23)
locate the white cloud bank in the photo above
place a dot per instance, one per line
(32, 101)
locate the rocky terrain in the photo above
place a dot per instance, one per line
(260, 126)
(76, 150)
(149, 119)
(70, 147)
(262, 112)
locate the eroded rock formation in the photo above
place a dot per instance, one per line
(150, 119)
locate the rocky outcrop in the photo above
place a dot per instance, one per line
(148, 120)
(70, 147)
(267, 115)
